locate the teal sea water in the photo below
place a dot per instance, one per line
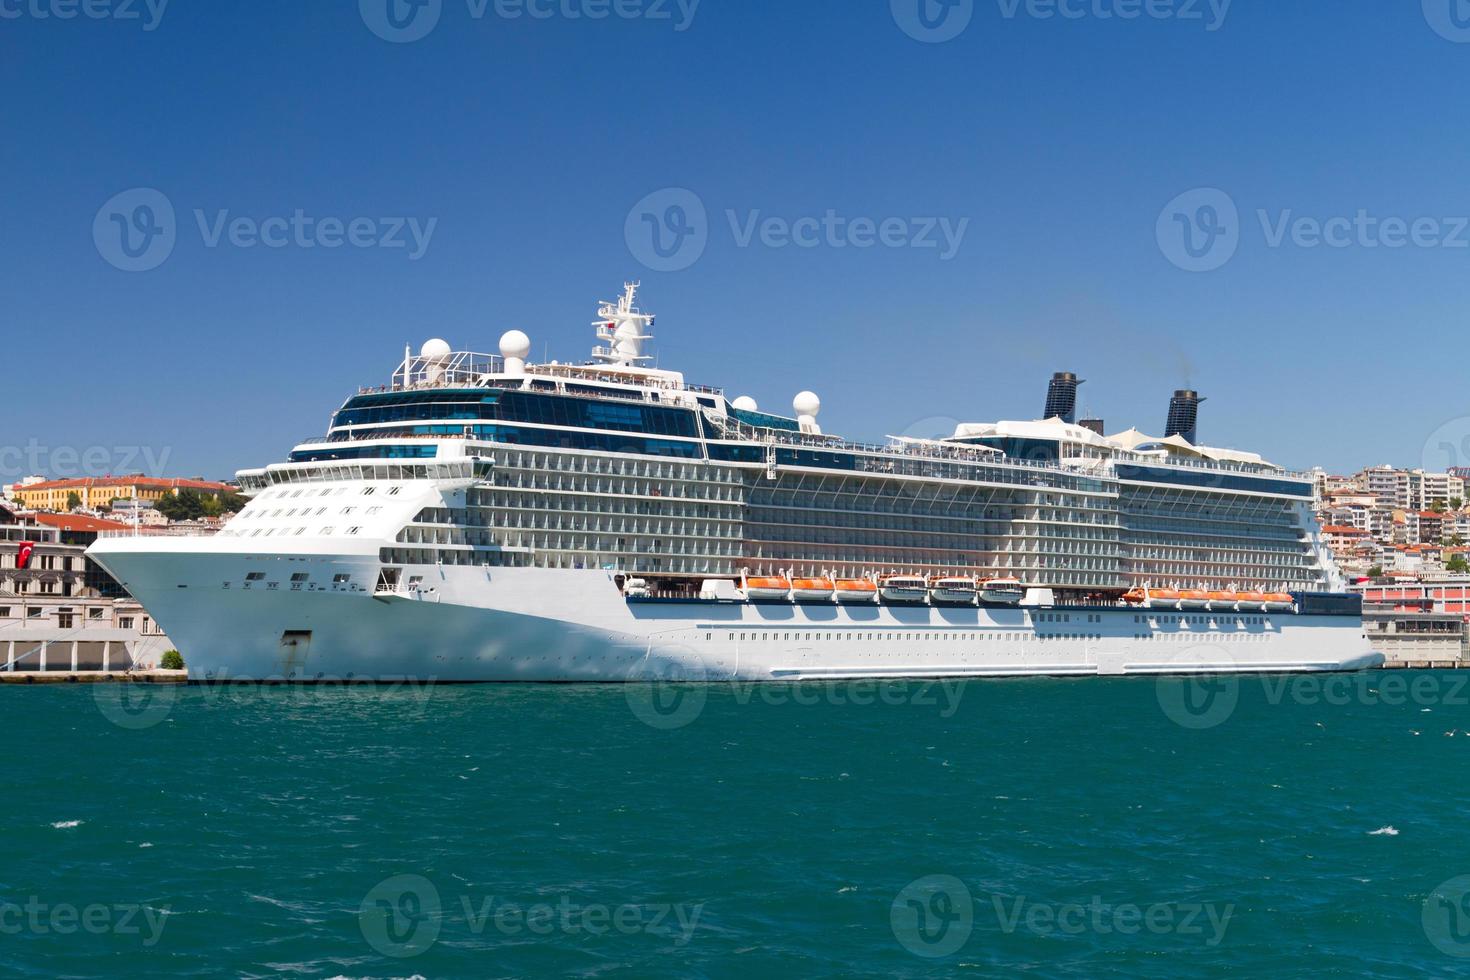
(1075, 828)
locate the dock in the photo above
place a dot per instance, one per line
(94, 677)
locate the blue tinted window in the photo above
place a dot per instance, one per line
(1214, 479)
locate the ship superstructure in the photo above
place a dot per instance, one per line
(485, 518)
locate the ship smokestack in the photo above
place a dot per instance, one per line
(1061, 397)
(1183, 415)
(1093, 425)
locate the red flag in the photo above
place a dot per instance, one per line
(23, 556)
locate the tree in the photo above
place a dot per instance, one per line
(171, 660)
(1376, 571)
(1458, 564)
(186, 505)
(190, 505)
(73, 500)
(1456, 503)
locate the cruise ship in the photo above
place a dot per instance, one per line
(484, 518)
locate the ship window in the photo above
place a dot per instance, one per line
(255, 577)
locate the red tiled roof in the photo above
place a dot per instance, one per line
(76, 522)
(134, 480)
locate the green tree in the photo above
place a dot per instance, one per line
(1458, 564)
(1376, 571)
(186, 505)
(171, 660)
(73, 500)
(1456, 503)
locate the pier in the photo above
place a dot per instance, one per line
(95, 677)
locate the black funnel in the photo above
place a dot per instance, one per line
(1183, 415)
(1061, 397)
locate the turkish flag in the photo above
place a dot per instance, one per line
(23, 556)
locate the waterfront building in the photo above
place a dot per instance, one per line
(98, 493)
(60, 611)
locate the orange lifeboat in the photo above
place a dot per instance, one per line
(855, 590)
(1222, 601)
(1194, 599)
(812, 589)
(1279, 602)
(1135, 597)
(767, 588)
(1250, 601)
(1162, 598)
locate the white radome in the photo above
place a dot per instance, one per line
(435, 350)
(514, 343)
(807, 403)
(746, 404)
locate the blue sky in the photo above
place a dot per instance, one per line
(526, 151)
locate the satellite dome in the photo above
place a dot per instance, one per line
(746, 404)
(435, 350)
(514, 343)
(807, 403)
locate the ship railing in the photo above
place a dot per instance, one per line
(600, 372)
(732, 428)
(160, 532)
(451, 370)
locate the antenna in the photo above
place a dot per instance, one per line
(623, 328)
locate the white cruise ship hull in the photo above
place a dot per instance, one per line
(479, 624)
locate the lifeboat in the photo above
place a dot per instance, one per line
(907, 589)
(954, 591)
(636, 588)
(1279, 602)
(1162, 598)
(1002, 591)
(767, 589)
(1194, 599)
(855, 590)
(1222, 601)
(812, 589)
(1250, 601)
(1135, 597)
